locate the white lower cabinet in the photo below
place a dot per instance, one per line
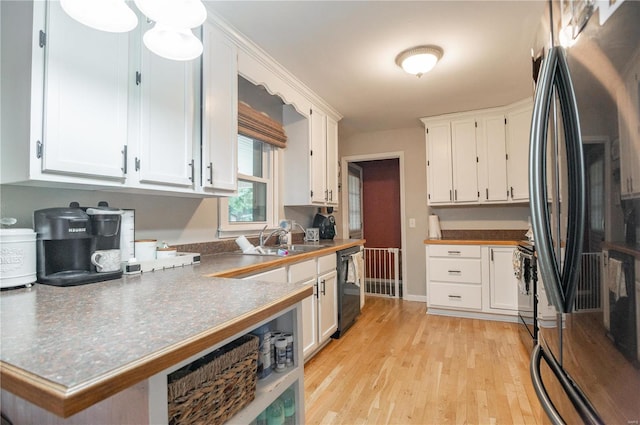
(275, 275)
(319, 311)
(471, 280)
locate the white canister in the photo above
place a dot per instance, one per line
(145, 249)
(434, 227)
(17, 257)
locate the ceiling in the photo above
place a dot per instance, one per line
(345, 52)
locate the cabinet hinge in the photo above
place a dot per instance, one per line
(138, 78)
(506, 156)
(310, 111)
(312, 193)
(42, 39)
(427, 130)
(505, 121)
(428, 196)
(478, 194)
(137, 161)
(311, 152)
(476, 124)
(38, 149)
(477, 160)
(428, 163)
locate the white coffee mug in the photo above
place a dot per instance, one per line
(145, 249)
(106, 260)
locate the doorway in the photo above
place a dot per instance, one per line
(375, 205)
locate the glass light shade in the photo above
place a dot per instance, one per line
(174, 44)
(103, 15)
(419, 60)
(174, 13)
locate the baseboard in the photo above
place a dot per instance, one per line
(419, 298)
(473, 315)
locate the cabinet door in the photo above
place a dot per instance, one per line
(465, 160)
(85, 98)
(327, 305)
(503, 285)
(166, 119)
(220, 111)
(319, 193)
(332, 161)
(518, 126)
(492, 151)
(438, 136)
(310, 321)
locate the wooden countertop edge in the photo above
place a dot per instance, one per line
(283, 261)
(469, 242)
(65, 402)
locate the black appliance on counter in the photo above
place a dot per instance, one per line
(66, 239)
(348, 289)
(326, 225)
(584, 368)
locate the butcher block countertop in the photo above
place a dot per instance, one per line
(67, 348)
(478, 237)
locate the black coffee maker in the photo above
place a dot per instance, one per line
(68, 240)
(326, 224)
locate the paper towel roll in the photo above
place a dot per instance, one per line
(434, 227)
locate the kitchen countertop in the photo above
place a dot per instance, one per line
(470, 242)
(68, 348)
(627, 248)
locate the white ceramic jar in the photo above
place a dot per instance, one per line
(17, 257)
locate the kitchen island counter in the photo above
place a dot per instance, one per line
(65, 349)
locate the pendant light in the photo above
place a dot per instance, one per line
(419, 60)
(103, 15)
(174, 13)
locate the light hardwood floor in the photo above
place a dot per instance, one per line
(398, 365)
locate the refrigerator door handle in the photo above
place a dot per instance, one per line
(555, 76)
(576, 396)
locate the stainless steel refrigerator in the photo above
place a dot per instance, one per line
(584, 182)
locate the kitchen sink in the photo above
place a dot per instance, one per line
(282, 251)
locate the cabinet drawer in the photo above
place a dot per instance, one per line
(455, 295)
(455, 251)
(327, 263)
(458, 271)
(303, 271)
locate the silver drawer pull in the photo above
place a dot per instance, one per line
(457, 297)
(453, 252)
(457, 272)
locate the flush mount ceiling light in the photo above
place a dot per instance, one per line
(171, 43)
(419, 60)
(103, 15)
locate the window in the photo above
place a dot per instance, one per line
(253, 206)
(355, 201)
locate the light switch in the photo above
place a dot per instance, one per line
(412, 222)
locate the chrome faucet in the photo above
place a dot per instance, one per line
(264, 240)
(302, 228)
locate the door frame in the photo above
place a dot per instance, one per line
(344, 199)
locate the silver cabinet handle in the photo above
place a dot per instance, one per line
(453, 252)
(210, 168)
(324, 287)
(457, 297)
(455, 272)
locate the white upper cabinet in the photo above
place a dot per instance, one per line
(518, 129)
(492, 154)
(479, 156)
(465, 159)
(219, 111)
(629, 130)
(452, 161)
(311, 158)
(74, 83)
(168, 100)
(439, 175)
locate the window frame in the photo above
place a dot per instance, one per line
(270, 167)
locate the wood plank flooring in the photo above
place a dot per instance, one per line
(398, 365)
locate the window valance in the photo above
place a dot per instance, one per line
(255, 124)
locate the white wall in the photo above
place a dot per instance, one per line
(411, 142)
(172, 219)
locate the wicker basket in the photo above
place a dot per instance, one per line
(215, 387)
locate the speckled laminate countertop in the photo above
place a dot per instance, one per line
(68, 348)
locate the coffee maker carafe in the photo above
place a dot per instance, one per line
(74, 244)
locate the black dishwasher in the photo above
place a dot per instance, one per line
(348, 288)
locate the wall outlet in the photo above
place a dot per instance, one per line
(412, 222)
